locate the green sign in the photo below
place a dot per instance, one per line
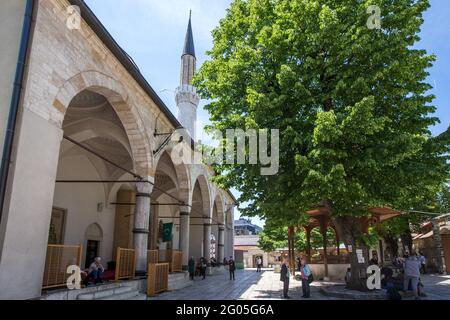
(167, 232)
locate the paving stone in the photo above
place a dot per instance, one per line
(250, 285)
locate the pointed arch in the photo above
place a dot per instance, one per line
(117, 96)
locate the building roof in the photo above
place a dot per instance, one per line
(246, 241)
(189, 48)
(423, 236)
(246, 222)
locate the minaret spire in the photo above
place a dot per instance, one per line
(189, 47)
(186, 95)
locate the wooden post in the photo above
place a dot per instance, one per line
(291, 249)
(308, 243)
(324, 229)
(338, 243)
(117, 264)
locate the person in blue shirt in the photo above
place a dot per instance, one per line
(306, 275)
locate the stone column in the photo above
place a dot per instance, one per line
(231, 234)
(439, 250)
(141, 226)
(221, 243)
(207, 239)
(184, 234)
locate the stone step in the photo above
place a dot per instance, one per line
(106, 293)
(140, 297)
(123, 296)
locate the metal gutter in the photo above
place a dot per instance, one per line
(15, 101)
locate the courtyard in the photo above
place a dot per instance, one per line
(250, 285)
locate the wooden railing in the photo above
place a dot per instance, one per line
(58, 258)
(165, 256)
(173, 257)
(152, 256)
(177, 261)
(125, 266)
(158, 278)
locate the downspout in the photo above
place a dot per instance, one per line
(15, 101)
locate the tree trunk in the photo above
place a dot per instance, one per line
(407, 241)
(393, 246)
(350, 230)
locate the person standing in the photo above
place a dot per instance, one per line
(412, 274)
(258, 264)
(285, 277)
(306, 279)
(232, 268)
(423, 263)
(204, 265)
(191, 268)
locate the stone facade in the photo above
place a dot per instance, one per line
(63, 64)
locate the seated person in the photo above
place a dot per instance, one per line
(95, 271)
(391, 288)
(387, 274)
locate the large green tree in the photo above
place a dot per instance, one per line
(352, 105)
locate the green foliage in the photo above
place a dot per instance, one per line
(370, 239)
(273, 238)
(352, 105)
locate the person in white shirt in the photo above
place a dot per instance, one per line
(95, 271)
(258, 264)
(412, 274)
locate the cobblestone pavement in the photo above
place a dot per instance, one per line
(437, 287)
(250, 285)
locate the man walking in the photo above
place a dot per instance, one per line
(232, 268)
(285, 275)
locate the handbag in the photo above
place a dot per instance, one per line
(310, 278)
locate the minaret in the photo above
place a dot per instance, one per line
(186, 97)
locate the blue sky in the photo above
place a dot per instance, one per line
(153, 32)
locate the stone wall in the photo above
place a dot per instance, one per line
(63, 63)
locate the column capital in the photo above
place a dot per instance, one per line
(145, 188)
(185, 209)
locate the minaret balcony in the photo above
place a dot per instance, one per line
(187, 94)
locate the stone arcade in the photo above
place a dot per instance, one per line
(87, 120)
